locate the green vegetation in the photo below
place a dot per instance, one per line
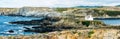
(98, 12)
(61, 9)
(112, 13)
(90, 33)
(77, 22)
(87, 23)
(79, 33)
(74, 32)
(95, 22)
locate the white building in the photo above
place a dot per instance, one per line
(88, 17)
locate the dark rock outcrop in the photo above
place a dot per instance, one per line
(43, 29)
(11, 31)
(44, 25)
(44, 21)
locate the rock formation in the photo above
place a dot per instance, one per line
(30, 11)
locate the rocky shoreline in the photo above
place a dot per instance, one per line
(43, 25)
(50, 24)
(62, 19)
(72, 34)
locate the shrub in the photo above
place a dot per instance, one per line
(87, 23)
(113, 13)
(90, 33)
(79, 33)
(74, 32)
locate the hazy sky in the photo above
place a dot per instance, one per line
(57, 3)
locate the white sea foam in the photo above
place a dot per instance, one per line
(6, 22)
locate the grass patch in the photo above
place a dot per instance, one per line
(61, 9)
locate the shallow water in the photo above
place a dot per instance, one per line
(4, 26)
(112, 22)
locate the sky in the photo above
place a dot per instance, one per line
(57, 3)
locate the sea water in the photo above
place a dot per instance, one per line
(5, 26)
(114, 22)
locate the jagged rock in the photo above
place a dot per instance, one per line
(39, 29)
(50, 28)
(11, 31)
(43, 22)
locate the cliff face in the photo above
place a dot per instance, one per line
(56, 12)
(7, 11)
(29, 11)
(38, 11)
